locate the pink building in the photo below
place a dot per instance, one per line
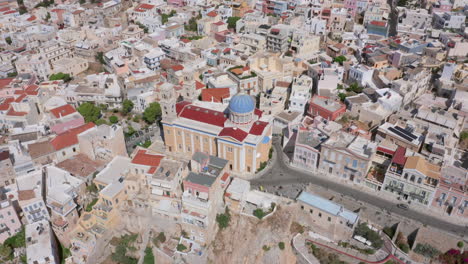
(64, 118)
(351, 6)
(326, 107)
(451, 196)
(178, 3)
(9, 221)
(442, 6)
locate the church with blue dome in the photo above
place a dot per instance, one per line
(237, 132)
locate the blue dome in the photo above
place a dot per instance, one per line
(241, 103)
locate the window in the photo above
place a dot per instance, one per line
(419, 180)
(205, 140)
(74, 149)
(330, 170)
(63, 153)
(412, 178)
(320, 214)
(168, 132)
(229, 149)
(354, 163)
(302, 207)
(329, 219)
(311, 211)
(179, 133)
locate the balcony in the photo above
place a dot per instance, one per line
(195, 201)
(394, 188)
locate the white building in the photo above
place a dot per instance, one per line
(300, 93)
(30, 197)
(448, 20)
(41, 247)
(153, 59)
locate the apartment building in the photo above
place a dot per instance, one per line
(415, 83)
(100, 89)
(326, 107)
(202, 196)
(448, 20)
(41, 246)
(245, 78)
(153, 59)
(63, 191)
(402, 136)
(66, 144)
(7, 173)
(347, 156)
(277, 39)
(64, 118)
(412, 178)
(30, 197)
(165, 185)
(301, 91)
(10, 223)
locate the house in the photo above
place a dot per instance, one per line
(301, 91)
(202, 196)
(41, 246)
(327, 217)
(326, 107)
(236, 194)
(66, 144)
(7, 173)
(30, 197)
(412, 178)
(448, 20)
(64, 118)
(10, 223)
(102, 143)
(307, 148)
(402, 136)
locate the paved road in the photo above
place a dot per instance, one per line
(281, 174)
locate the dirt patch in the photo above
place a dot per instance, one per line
(249, 240)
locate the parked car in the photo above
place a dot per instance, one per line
(403, 206)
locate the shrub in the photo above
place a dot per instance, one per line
(136, 119)
(223, 219)
(149, 257)
(92, 188)
(89, 111)
(270, 153)
(259, 213)
(460, 244)
(60, 76)
(181, 247)
(364, 231)
(161, 237)
(281, 245)
(404, 247)
(113, 119)
(426, 250)
(265, 247)
(389, 231)
(89, 207)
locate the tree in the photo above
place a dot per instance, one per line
(464, 135)
(192, 25)
(152, 113)
(82, 2)
(127, 106)
(149, 257)
(113, 119)
(232, 22)
(100, 122)
(259, 213)
(100, 57)
(281, 245)
(460, 244)
(89, 111)
(12, 74)
(8, 40)
(354, 87)
(340, 59)
(140, 25)
(181, 247)
(165, 17)
(5, 252)
(342, 96)
(22, 10)
(47, 16)
(223, 219)
(60, 76)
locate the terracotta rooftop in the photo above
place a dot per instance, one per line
(40, 149)
(215, 94)
(70, 137)
(422, 165)
(79, 165)
(235, 133)
(26, 195)
(144, 158)
(63, 110)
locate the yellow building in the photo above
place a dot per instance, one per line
(237, 133)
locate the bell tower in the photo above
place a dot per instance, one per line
(168, 102)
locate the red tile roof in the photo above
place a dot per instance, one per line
(146, 6)
(212, 14)
(258, 112)
(143, 158)
(12, 112)
(4, 9)
(180, 106)
(152, 170)
(258, 127)
(31, 18)
(203, 115)
(177, 67)
(184, 40)
(378, 23)
(219, 23)
(10, 12)
(5, 82)
(215, 94)
(199, 85)
(63, 110)
(399, 157)
(235, 133)
(70, 137)
(20, 98)
(225, 177)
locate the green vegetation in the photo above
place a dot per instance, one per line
(402, 242)
(8, 40)
(136, 118)
(192, 24)
(231, 21)
(354, 88)
(223, 219)
(149, 257)
(464, 135)
(390, 231)
(47, 18)
(113, 119)
(60, 76)
(366, 251)
(342, 96)
(323, 256)
(124, 244)
(89, 207)
(161, 238)
(270, 153)
(364, 231)
(89, 111)
(127, 106)
(140, 25)
(152, 113)
(12, 243)
(197, 37)
(100, 57)
(262, 166)
(181, 247)
(404, 247)
(12, 74)
(340, 59)
(339, 87)
(453, 256)
(45, 3)
(100, 122)
(64, 253)
(259, 213)
(130, 131)
(165, 17)
(460, 244)
(281, 245)
(426, 250)
(265, 248)
(22, 10)
(92, 188)
(146, 144)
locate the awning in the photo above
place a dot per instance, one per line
(385, 150)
